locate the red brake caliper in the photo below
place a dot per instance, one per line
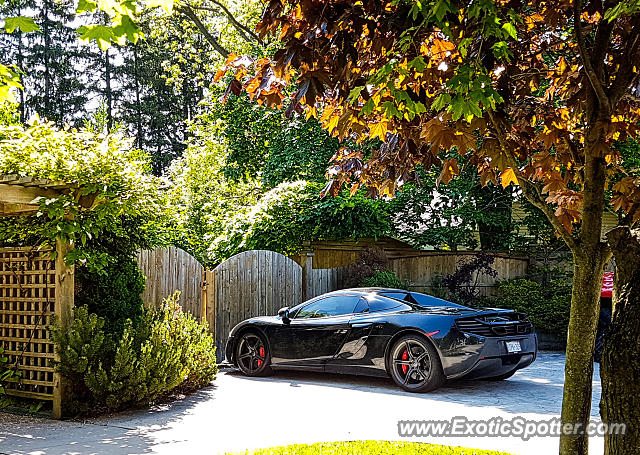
(405, 356)
(261, 351)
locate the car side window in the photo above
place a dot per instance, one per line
(362, 306)
(331, 306)
(379, 303)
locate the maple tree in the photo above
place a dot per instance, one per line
(536, 93)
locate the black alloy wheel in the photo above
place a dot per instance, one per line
(252, 355)
(414, 364)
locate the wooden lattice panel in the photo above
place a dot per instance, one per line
(27, 302)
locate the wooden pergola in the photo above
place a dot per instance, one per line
(34, 286)
(19, 195)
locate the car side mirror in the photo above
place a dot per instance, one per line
(284, 314)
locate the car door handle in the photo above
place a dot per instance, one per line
(341, 331)
(360, 325)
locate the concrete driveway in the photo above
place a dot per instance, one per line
(239, 413)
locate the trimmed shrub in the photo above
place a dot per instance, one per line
(547, 306)
(167, 350)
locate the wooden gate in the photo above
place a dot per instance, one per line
(249, 284)
(168, 270)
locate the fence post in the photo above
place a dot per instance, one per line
(307, 267)
(204, 285)
(64, 296)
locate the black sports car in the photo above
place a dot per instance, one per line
(418, 340)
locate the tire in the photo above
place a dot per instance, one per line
(501, 377)
(252, 355)
(414, 364)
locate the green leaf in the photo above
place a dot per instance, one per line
(368, 107)
(127, 28)
(25, 24)
(441, 101)
(355, 94)
(418, 63)
(458, 107)
(391, 109)
(101, 34)
(86, 5)
(510, 29)
(501, 50)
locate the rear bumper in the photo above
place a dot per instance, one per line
(493, 359)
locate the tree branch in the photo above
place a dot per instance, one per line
(596, 83)
(529, 189)
(191, 14)
(626, 73)
(245, 31)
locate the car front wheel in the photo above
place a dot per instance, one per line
(414, 364)
(252, 355)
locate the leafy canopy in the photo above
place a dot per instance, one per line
(112, 193)
(522, 90)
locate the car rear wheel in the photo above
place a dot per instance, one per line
(252, 355)
(414, 364)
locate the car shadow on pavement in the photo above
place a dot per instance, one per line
(531, 390)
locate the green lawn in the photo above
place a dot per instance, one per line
(372, 447)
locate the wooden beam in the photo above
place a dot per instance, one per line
(16, 194)
(17, 209)
(64, 314)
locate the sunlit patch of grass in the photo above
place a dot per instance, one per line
(371, 448)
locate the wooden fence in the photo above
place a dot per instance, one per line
(170, 269)
(33, 288)
(421, 270)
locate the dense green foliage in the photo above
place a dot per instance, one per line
(460, 215)
(547, 305)
(151, 82)
(252, 179)
(292, 212)
(114, 294)
(266, 146)
(114, 201)
(371, 448)
(167, 349)
(384, 279)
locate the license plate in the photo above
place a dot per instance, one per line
(513, 346)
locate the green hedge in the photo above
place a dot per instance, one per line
(547, 306)
(113, 294)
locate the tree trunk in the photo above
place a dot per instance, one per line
(138, 107)
(581, 336)
(47, 51)
(620, 364)
(590, 256)
(109, 96)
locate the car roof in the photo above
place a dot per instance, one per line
(364, 291)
